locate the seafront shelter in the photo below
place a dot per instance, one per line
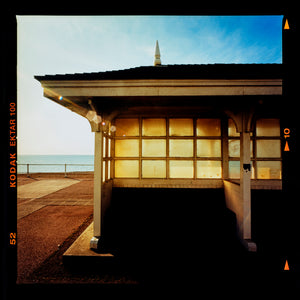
(210, 127)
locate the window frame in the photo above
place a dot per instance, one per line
(169, 138)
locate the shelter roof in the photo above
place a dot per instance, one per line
(189, 71)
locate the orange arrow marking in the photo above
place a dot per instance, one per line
(286, 266)
(286, 25)
(286, 147)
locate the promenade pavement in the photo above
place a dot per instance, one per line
(49, 211)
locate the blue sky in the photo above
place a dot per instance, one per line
(59, 45)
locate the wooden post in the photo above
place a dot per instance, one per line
(243, 122)
(97, 189)
(245, 183)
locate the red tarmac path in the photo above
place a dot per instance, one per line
(47, 219)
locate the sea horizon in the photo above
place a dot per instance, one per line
(54, 163)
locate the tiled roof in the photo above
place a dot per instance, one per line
(210, 71)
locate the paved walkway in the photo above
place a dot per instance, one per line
(44, 187)
(64, 191)
(50, 210)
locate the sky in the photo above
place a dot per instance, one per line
(83, 44)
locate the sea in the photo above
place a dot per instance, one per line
(55, 163)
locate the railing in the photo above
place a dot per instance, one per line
(64, 168)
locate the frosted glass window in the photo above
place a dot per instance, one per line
(108, 167)
(268, 169)
(208, 127)
(126, 148)
(181, 127)
(154, 127)
(103, 171)
(127, 127)
(126, 168)
(208, 148)
(268, 127)
(154, 148)
(232, 128)
(234, 148)
(209, 169)
(268, 148)
(104, 147)
(234, 169)
(109, 148)
(181, 169)
(181, 148)
(154, 169)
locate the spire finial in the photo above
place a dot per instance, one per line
(157, 61)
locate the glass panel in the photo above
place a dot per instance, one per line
(126, 148)
(109, 148)
(181, 127)
(108, 173)
(268, 148)
(181, 169)
(232, 129)
(208, 148)
(126, 168)
(103, 171)
(154, 169)
(234, 169)
(127, 127)
(104, 147)
(154, 148)
(268, 169)
(268, 127)
(181, 148)
(209, 169)
(234, 148)
(208, 127)
(154, 127)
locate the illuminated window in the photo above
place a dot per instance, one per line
(103, 170)
(104, 147)
(181, 148)
(154, 127)
(268, 169)
(108, 169)
(109, 148)
(208, 148)
(127, 148)
(234, 148)
(181, 127)
(126, 168)
(154, 169)
(181, 169)
(268, 148)
(208, 127)
(127, 127)
(154, 148)
(209, 169)
(268, 127)
(234, 169)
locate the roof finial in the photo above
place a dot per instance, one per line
(157, 61)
